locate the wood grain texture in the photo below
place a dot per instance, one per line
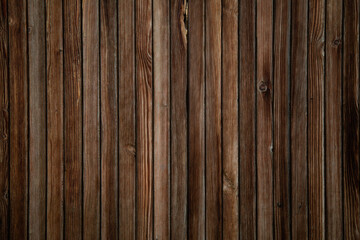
(282, 218)
(298, 120)
(55, 119)
(144, 120)
(109, 119)
(127, 121)
(351, 120)
(333, 141)
(4, 122)
(73, 119)
(179, 116)
(230, 120)
(19, 118)
(161, 44)
(91, 120)
(264, 148)
(247, 123)
(316, 119)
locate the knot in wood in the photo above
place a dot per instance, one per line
(262, 87)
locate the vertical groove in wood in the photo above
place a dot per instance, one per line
(55, 119)
(161, 119)
(282, 218)
(196, 167)
(18, 72)
(127, 127)
(333, 198)
(109, 119)
(247, 146)
(230, 122)
(316, 118)
(73, 119)
(298, 119)
(179, 116)
(4, 122)
(264, 119)
(144, 120)
(351, 120)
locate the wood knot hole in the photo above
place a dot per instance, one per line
(336, 42)
(262, 87)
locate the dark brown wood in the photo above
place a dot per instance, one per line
(333, 146)
(144, 120)
(316, 119)
(127, 122)
(19, 129)
(73, 119)
(350, 118)
(179, 125)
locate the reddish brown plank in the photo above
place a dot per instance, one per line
(178, 61)
(230, 119)
(4, 123)
(127, 128)
(73, 119)
(19, 130)
(109, 120)
(55, 120)
(350, 116)
(144, 120)
(298, 119)
(316, 118)
(196, 174)
(334, 204)
(247, 146)
(161, 119)
(281, 119)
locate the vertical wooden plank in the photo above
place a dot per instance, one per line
(247, 128)
(18, 72)
(196, 174)
(73, 119)
(334, 204)
(161, 119)
(109, 120)
(179, 125)
(91, 121)
(351, 120)
(127, 127)
(144, 120)
(316, 118)
(264, 119)
(230, 119)
(282, 218)
(4, 122)
(298, 119)
(55, 119)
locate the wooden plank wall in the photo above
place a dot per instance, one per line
(179, 119)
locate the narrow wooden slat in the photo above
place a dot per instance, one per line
(298, 120)
(109, 120)
(264, 119)
(179, 125)
(55, 119)
(350, 123)
(196, 167)
(316, 118)
(247, 146)
(282, 218)
(127, 127)
(161, 119)
(18, 72)
(230, 119)
(144, 123)
(4, 123)
(334, 204)
(91, 120)
(73, 119)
